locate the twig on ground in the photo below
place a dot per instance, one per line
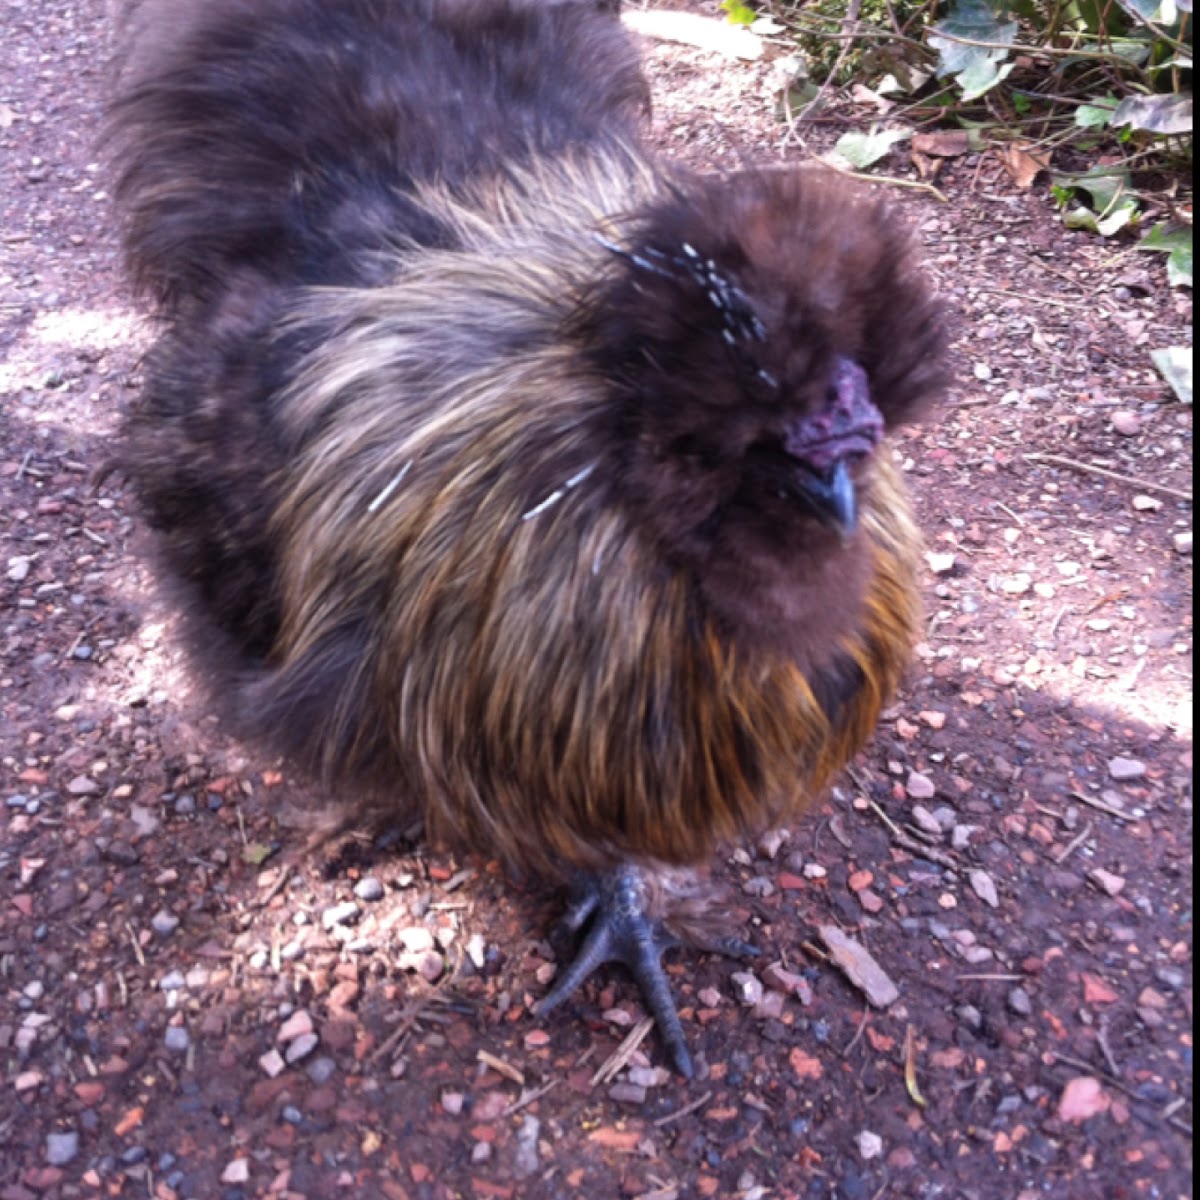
(680, 1113)
(1101, 806)
(1066, 852)
(1088, 468)
(624, 1052)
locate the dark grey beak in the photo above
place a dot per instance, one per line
(832, 497)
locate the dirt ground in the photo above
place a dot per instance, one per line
(190, 1009)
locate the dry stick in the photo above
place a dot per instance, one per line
(501, 1067)
(1106, 1049)
(1080, 1065)
(284, 877)
(1059, 460)
(1076, 304)
(1101, 806)
(1062, 612)
(891, 180)
(680, 1113)
(862, 1028)
(1015, 516)
(1062, 856)
(624, 1052)
(530, 1098)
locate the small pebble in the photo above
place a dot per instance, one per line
(1126, 423)
(1106, 881)
(747, 987)
(61, 1148)
(969, 1015)
(321, 1070)
(527, 1157)
(1019, 1002)
(238, 1171)
(627, 1093)
(176, 1039)
(925, 820)
(369, 889)
(771, 842)
(870, 1145)
(984, 887)
(416, 939)
(164, 923)
(272, 1063)
(301, 1048)
(339, 914)
(299, 1024)
(920, 787)
(1123, 769)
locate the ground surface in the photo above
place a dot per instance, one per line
(180, 1016)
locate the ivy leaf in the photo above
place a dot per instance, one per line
(1116, 217)
(1104, 187)
(1111, 221)
(981, 76)
(1156, 114)
(1174, 364)
(1177, 245)
(863, 150)
(977, 68)
(1097, 114)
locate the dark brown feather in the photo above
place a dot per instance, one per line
(465, 427)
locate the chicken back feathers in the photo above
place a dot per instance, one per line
(524, 482)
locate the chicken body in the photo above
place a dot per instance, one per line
(516, 480)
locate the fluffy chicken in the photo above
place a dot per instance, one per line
(517, 480)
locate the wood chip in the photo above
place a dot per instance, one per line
(859, 967)
(501, 1067)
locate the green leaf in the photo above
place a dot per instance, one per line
(1177, 245)
(1156, 114)
(1080, 218)
(862, 150)
(981, 76)
(1104, 186)
(1117, 216)
(977, 68)
(1097, 114)
(973, 21)
(737, 13)
(1174, 364)
(256, 853)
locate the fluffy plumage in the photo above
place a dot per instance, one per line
(528, 484)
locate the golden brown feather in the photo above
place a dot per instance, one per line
(531, 486)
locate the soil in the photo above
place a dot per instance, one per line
(193, 1008)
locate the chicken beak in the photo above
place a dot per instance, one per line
(833, 498)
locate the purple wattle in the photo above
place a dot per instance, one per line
(848, 426)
